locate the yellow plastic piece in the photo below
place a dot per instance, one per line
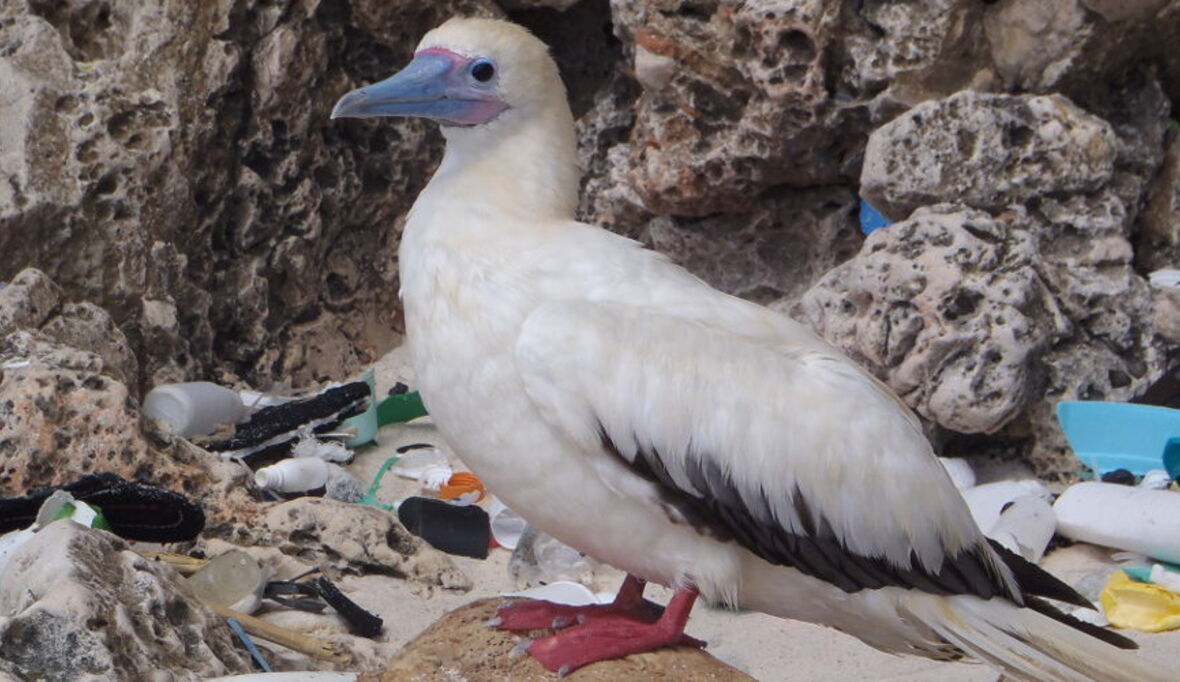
(1139, 606)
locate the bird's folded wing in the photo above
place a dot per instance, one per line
(793, 452)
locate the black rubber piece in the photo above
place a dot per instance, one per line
(133, 510)
(360, 622)
(461, 530)
(335, 405)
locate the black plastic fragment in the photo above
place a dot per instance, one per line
(133, 510)
(1119, 476)
(360, 622)
(399, 389)
(462, 530)
(281, 423)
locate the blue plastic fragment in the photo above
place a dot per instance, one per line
(1108, 436)
(871, 219)
(254, 652)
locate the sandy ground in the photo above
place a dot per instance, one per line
(766, 647)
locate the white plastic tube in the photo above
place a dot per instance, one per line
(987, 501)
(194, 408)
(1025, 527)
(294, 475)
(1123, 517)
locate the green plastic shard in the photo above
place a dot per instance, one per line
(400, 408)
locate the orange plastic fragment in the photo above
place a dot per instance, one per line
(461, 483)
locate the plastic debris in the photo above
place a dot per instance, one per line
(59, 505)
(1119, 477)
(193, 408)
(1157, 479)
(1127, 603)
(540, 559)
(360, 622)
(274, 430)
(871, 219)
(461, 530)
(1025, 526)
(132, 510)
(233, 579)
(988, 501)
(463, 487)
(1123, 517)
(328, 450)
(961, 473)
(1164, 278)
(365, 424)
(565, 592)
(401, 407)
(507, 525)
(249, 644)
(1107, 436)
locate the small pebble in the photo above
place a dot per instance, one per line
(1119, 476)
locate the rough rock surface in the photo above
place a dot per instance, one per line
(986, 151)
(176, 166)
(986, 312)
(77, 603)
(461, 647)
(1158, 240)
(356, 539)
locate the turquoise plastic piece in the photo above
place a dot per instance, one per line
(365, 422)
(1108, 436)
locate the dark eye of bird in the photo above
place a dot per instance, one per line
(483, 71)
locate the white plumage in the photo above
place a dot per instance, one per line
(683, 435)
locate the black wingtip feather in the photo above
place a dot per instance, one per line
(1035, 580)
(1109, 636)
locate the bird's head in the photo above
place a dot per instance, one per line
(467, 72)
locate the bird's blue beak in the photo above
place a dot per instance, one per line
(434, 85)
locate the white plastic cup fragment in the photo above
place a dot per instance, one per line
(564, 592)
(987, 501)
(1122, 517)
(234, 579)
(962, 475)
(1025, 526)
(507, 525)
(194, 408)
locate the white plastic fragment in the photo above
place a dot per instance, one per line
(1123, 517)
(565, 592)
(1156, 479)
(1166, 277)
(987, 501)
(294, 475)
(960, 470)
(193, 408)
(1025, 527)
(310, 446)
(507, 525)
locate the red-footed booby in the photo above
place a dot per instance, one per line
(685, 436)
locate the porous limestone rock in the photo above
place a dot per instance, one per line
(62, 417)
(949, 309)
(983, 323)
(79, 604)
(175, 165)
(1158, 240)
(357, 539)
(986, 151)
(460, 646)
(27, 301)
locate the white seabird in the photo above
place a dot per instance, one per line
(686, 436)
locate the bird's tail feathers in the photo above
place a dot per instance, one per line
(1026, 644)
